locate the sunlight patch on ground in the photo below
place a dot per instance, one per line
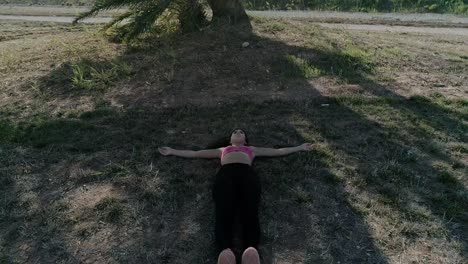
(289, 257)
(88, 196)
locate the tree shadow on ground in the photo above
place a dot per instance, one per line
(311, 209)
(31, 229)
(178, 211)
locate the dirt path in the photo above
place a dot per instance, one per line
(346, 26)
(59, 19)
(399, 29)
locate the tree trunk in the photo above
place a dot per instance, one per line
(230, 10)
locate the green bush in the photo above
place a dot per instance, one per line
(461, 8)
(432, 8)
(443, 6)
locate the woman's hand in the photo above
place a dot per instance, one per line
(165, 151)
(307, 146)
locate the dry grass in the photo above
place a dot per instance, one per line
(81, 179)
(37, 10)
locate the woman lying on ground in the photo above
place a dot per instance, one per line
(236, 186)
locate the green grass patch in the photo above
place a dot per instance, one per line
(90, 75)
(352, 64)
(394, 52)
(292, 66)
(274, 27)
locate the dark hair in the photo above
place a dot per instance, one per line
(245, 134)
(225, 141)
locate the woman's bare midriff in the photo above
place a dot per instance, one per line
(236, 157)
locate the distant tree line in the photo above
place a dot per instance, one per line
(442, 6)
(436, 6)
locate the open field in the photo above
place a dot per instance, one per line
(81, 119)
(51, 10)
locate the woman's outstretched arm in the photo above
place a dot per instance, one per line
(206, 153)
(271, 152)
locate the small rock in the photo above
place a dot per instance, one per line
(245, 44)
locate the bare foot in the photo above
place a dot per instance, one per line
(250, 256)
(227, 257)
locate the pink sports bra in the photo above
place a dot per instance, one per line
(244, 149)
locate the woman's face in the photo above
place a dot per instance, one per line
(238, 137)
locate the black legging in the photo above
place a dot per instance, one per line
(236, 186)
